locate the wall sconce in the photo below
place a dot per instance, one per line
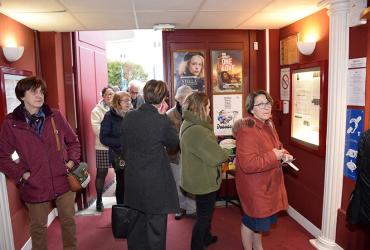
(306, 48)
(12, 54)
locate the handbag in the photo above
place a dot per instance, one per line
(77, 177)
(118, 162)
(123, 220)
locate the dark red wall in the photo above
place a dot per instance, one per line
(355, 238)
(305, 188)
(24, 37)
(219, 39)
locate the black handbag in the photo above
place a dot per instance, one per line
(123, 220)
(118, 162)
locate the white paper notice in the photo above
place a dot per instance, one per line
(356, 87)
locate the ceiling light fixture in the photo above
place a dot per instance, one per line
(164, 27)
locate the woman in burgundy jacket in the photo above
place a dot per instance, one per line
(259, 177)
(41, 170)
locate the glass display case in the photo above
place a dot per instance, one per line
(308, 98)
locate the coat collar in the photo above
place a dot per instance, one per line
(187, 115)
(18, 113)
(148, 107)
(258, 123)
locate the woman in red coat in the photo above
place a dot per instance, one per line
(259, 177)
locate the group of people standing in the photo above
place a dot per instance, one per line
(138, 144)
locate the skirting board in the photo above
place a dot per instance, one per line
(311, 228)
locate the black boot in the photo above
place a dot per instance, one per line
(99, 205)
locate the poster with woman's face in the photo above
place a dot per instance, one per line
(188, 69)
(227, 71)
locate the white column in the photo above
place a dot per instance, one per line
(336, 121)
(6, 232)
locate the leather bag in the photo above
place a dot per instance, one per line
(77, 177)
(123, 220)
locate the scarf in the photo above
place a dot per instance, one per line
(35, 121)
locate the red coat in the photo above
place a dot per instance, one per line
(259, 177)
(38, 155)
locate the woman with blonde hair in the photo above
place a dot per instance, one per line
(259, 176)
(201, 163)
(191, 72)
(110, 133)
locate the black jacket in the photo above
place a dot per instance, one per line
(358, 211)
(149, 183)
(110, 132)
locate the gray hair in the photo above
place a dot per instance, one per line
(182, 92)
(134, 83)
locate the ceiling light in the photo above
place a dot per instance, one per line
(164, 27)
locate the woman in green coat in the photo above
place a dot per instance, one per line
(201, 157)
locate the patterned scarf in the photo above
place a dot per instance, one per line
(35, 121)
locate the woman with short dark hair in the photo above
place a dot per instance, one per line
(41, 170)
(149, 184)
(259, 176)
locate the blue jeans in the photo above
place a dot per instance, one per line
(202, 227)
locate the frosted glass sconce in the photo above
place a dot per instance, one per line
(12, 54)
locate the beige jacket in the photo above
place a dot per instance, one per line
(97, 115)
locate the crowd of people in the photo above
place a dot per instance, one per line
(159, 168)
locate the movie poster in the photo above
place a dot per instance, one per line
(226, 110)
(188, 69)
(227, 71)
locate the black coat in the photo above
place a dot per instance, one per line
(358, 211)
(149, 183)
(110, 132)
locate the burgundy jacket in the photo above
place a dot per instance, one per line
(37, 154)
(259, 177)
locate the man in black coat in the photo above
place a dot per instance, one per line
(149, 184)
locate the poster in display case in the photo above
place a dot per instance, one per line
(308, 99)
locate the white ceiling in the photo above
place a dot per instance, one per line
(74, 15)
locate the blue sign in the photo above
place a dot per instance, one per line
(354, 129)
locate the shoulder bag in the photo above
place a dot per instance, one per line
(78, 177)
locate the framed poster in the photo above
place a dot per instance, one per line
(227, 71)
(226, 110)
(188, 69)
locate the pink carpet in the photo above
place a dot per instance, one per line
(94, 232)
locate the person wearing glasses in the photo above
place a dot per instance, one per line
(102, 157)
(134, 90)
(259, 176)
(110, 133)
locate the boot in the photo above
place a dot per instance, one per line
(99, 204)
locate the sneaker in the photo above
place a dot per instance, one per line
(178, 216)
(209, 241)
(99, 207)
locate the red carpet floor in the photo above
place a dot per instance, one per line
(94, 233)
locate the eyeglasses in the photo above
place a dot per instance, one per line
(124, 100)
(134, 92)
(264, 105)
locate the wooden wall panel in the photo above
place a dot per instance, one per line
(304, 194)
(91, 65)
(25, 37)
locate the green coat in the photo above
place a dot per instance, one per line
(201, 156)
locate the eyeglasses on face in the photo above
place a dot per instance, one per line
(125, 100)
(263, 105)
(134, 92)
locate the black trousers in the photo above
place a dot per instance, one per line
(202, 227)
(120, 186)
(149, 232)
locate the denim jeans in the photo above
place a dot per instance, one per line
(202, 227)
